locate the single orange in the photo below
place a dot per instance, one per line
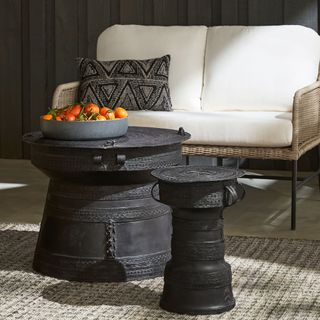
(47, 117)
(101, 118)
(70, 117)
(58, 118)
(110, 115)
(75, 110)
(120, 112)
(91, 107)
(62, 114)
(104, 110)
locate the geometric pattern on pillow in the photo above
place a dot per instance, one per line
(131, 84)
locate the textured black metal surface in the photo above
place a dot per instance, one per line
(201, 195)
(100, 222)
(137, 137)
(197, 280)
(196, 174)
(86, 162)
(102, 233)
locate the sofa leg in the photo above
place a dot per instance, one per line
(319, 165)
(238, 163)
(294, 194)
(187, 160)
(219, 162)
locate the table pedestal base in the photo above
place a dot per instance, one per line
(195, 302)
(102, 233)
(197, 279)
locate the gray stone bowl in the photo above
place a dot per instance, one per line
(83, 130)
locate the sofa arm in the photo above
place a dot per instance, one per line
(306, 118)
(65, 94)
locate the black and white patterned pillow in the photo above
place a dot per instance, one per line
(131, 84)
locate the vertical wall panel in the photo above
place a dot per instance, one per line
(115, 11)
(301, 12)
(34, 65)
(216, 12)
(265, 12)
(243, 18)
(148, 12)
(25, 55)
(10, 79)
(83, 49)
(229, 12)
(165, 12)
(131, 11)
(50, 50)
(37, 63)
(182, 12)
(99, 17)
(66, 40)
(199, 12)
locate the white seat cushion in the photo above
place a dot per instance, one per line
(258, 68)
(246, 129)
(186, 46)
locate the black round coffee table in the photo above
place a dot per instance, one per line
(100, 222)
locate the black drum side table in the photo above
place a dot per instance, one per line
(197, 279)
(100, 222)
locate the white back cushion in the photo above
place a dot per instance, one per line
(258, 68)
(186, 46)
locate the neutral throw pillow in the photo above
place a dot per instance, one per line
(131, 84)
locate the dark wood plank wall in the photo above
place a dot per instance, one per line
(39, 40)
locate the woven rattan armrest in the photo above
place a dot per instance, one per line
(306, 118)
(65, 94)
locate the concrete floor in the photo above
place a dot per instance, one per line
(265, 211)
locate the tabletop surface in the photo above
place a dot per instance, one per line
(136, 137)
(192, 174)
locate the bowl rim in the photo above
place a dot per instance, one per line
(86, 121)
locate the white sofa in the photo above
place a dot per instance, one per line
(230, 85)
(240, 91)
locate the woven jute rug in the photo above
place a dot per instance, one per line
(272, 279)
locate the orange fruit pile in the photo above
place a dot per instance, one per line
(85, 112)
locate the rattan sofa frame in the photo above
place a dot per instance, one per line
(306, 136)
